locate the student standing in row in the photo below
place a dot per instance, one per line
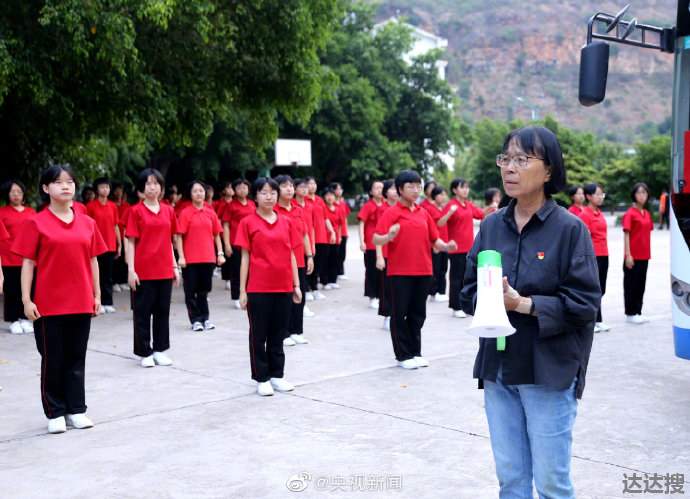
(458, 215)
(120, 266)
(105, 213)
(301, 193)
(594, 219)
(12, 216)
(334, 224)
(322, 237)
(438, 200)
(577, 196)
(492, 200)
(409, 232)
(199, 250)
(239, 208)
(269, 288)
(61, 246)
(344, 208)
(151, 228)
(368, 218)
(391, 198)
(637, 226)
(294, 333)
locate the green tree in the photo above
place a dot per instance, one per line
(654, 159)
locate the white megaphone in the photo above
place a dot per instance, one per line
(490, 318)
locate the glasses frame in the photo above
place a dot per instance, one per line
(512, 159)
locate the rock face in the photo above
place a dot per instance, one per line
(517, 59)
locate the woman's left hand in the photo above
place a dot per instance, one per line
(177, 277)
(297, 295)
(220, 260)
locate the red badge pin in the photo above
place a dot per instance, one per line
(540, 255)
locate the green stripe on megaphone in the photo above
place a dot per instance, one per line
(489, 258)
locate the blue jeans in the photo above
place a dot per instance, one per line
(531, 436)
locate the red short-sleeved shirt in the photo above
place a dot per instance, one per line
(344, 212)
(4, 235)
(299, 227)
(575, 210)
(370, 214)
(122, 214)
(153, 257)
(220, 206)
(596, 223)
(235, 213)
(639, 225)
(436, 214)
(270, 247)
(308, 216)
(198, 228)
(12, 220)
(79, 207)
(336, 217)
(409, 253)
(62, 252)
(460, 225)
(318, 206)
(106, 217)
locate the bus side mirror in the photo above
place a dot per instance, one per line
(594, 69)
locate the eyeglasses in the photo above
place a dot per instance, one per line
(521, 160)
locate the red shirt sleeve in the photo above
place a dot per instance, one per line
(116, 214)
(384, 223)
(217, 229)
(627, 221)
(433, 229)
(4, 235)
(183, 223)
(27, 241)
(227, 213)
(132, 229)
(364, 213)
(476, 212)
(173, 223)
(98, 246)
(242, 239)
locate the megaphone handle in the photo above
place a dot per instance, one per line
(501, 343)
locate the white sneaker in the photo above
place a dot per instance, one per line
(281, 385)
(643, 318)
(440, 298)
(408, 364)
(374, 303)
(597, 328)
(197, 326)
(125, 287)
(289, 342)
(634, 319)
(421, 362)
(109, 309)
(386, 323)
(335, 285)
(308, 312)
(343, 277)
(117, 288)
(328, 287)
(16, 328)
(147, 361)
(603, 327)
(227, 285)
(237, 305)
(299, 339)
(27, 326)
(208, 325)
(319, 295)
(57, 425)
(161, 359)
(459, 314)
(264, 389)
(79, 421)
(309, 296)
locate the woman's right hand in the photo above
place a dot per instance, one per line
(380, 263)
(363, 247)
(393, 231)
(228, 251)
(31, 311)
(133, 280)
(243, 300)
(629, 262)
(181, 262)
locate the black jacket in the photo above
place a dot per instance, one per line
(552, 261)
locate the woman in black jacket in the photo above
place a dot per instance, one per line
(551, 292)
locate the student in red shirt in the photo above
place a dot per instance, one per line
(61, 245)
(294, 334)
(220, 205)
(409, 232)
(637, 226)
(334, 219)
(199, 250)
(458, 214)
(345, 210)
(368, 217)
(390, 198)
(268, 280)
(119, 197)
(492, 200)
(234, 213)
(88, 194)
(438, 200)
(594, 219)
(323, 236)
(105, 213)
(151, 228)
(300, 200)
(428, 202)
(577, 196)
(12, 216)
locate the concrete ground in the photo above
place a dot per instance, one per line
(356, 426)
